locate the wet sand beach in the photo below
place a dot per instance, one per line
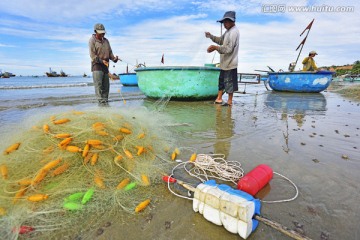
(312, 139)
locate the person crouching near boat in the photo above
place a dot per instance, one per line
(228, 48)
(309, 62)
(100, 54)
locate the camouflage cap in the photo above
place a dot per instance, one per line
(99, 28)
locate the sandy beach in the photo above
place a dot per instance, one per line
(312, 139)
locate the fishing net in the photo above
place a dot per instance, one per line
(73, 169)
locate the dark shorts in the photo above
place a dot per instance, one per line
(228, 80)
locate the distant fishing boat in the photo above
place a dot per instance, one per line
(179, 82)
(84, 75)
(128, 79)
(52, 73)
(300, 81)
(62, 74)
(55, 74)
(6, 74)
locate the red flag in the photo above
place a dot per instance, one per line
(308, 27)
(302, 42)
(162, 59)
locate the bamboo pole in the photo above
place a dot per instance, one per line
(302, 45)
(281, 228)
(277, 226)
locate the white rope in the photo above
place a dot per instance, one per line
(284, 200)
(215, 166)
(168, 183)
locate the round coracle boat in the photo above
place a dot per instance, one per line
(300, 81)
(179, 82)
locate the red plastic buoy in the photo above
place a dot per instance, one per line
(168, 179)
(256, 179)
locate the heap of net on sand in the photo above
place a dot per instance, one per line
(71, 169)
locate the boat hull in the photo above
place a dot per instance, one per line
(52, 74)
(128, 79)
(300, 81)
(179, 82)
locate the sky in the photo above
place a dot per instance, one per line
(38, 34)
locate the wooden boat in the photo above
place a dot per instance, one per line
(179, 82)
(128, 79)
(300, 81)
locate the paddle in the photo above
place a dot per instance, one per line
(272, 70)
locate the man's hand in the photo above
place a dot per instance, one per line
(116, 59)
(106, 63)
(207, 34)
(212, 48)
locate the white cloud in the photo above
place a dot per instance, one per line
(6, 45)
(68, 10)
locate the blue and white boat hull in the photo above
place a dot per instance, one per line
(300, 81)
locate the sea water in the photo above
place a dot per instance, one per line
(313, 139)
(20, 96)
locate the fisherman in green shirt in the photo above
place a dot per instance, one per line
(309, 63)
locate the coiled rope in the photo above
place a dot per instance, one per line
(215, 166)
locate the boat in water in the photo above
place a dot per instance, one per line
(128, 79)
(6, 74)
(55, 74)
(311, 82)
(63, 74)
(179, 82)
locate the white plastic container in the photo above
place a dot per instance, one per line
(223, 205)
(199, 197)
(212, 206)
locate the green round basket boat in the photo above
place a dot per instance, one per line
(179, 82)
